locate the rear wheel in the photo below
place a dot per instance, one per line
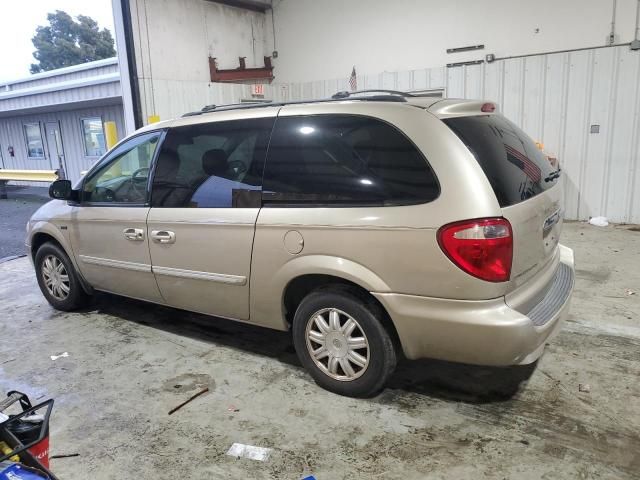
(341, 341)
(57, 278)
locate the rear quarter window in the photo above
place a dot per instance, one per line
(345, 160)
(515, 167)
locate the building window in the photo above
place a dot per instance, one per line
(94, 144)
(33, 137)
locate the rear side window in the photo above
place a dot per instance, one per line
(212, 165)
(344, 160)
(515, 167)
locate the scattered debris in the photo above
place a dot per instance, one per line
(62, 355)
(249, 451)
(629, 292)
(599, 221)
(233, 408)
(584, 387)
(190, 399)
(65, 455)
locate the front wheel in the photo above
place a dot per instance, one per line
(57, 278)
(341, 341)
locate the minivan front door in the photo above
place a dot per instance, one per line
(205, 201)
(109, 231)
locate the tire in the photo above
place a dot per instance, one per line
(57, 278)
(338, 365)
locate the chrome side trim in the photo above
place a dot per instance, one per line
(193, 274)
(107, 262)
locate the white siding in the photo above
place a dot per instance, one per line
(12, 134)
(555, 98)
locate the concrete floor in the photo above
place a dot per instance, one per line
(15, 211)
(129, 363)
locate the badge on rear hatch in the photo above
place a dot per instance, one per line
(550, 221)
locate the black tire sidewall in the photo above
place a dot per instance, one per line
(382, 357)
(77, 295)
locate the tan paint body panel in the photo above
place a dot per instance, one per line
(108, 260)
(212, 250)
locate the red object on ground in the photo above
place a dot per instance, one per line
(40, 451)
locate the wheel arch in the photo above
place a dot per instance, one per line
(45, 232)
(302, 285)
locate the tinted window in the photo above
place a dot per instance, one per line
(33, 136)
(515, 167)
(212, 165)
(123, 176)
(345, 159)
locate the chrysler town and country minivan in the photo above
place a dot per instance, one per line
(368, 225)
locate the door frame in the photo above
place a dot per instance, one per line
(62, 159)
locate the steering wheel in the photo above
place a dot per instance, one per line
(136, 177)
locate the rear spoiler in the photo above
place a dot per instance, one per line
(449, 107)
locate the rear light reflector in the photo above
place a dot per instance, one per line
(488, 107)
(482, 248)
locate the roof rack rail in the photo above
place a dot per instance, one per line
(230, 106)
(346, 94)
(386, 96)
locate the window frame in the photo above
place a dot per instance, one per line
(26, 140)
(255, 196)
(108, 158)
(84, 138)
(280, 200)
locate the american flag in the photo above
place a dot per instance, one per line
(524, 163)
(353, 81)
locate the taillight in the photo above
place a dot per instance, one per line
(488, 107)
(482, 248)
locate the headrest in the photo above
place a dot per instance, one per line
(214, 162)
(168, 164)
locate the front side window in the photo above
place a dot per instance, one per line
(345, 160)
(93, 135)
(33, 138)
(123, 176)
(212, 165)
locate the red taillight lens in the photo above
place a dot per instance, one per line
(482, 248)
(488, 107)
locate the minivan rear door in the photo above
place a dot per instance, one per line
(526, 185)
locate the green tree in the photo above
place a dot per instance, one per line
(65, 42)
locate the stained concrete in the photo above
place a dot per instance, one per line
(129, 363)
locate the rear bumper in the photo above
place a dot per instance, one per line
(481, 332)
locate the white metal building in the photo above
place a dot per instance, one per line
(571, 81)
(54, 120)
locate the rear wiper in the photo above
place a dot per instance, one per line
(552, 176)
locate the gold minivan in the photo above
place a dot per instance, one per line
(369, 224)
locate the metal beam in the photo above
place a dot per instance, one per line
(29, 175)
(254, 5)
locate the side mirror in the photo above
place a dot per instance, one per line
(61, 190)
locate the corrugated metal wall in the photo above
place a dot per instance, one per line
(555, 98)
(77, 75)
(12, 134)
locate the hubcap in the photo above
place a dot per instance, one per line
(56, 278)
(337, 344)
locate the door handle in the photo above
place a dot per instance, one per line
(134, 234)
(163, 236)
